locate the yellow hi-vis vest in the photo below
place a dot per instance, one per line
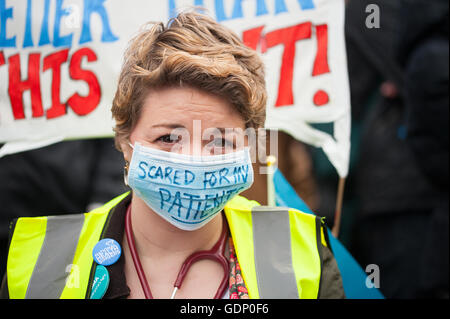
(278, 250)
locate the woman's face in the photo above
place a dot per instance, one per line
(188, 121)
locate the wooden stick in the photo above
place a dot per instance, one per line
(338, 211)
(271, 160)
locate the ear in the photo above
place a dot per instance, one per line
(126, 150)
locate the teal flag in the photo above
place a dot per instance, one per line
(353, 276)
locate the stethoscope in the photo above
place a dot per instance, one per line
(216, 253)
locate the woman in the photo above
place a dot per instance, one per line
(183, 88)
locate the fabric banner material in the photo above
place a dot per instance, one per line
(60, 61)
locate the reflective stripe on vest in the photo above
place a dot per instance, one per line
(278, 249)
(52, 264)
(51, 257)
(273, 257)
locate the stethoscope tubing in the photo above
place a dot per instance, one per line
(135, 256)
(216, 253)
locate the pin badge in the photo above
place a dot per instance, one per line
(106, 252)
(101, 282)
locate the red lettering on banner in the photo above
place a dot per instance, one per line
(252, 37)
(53, 61)
(321, 63)
(17, 87)
(83, 105)
(288, 37)
(321, 98)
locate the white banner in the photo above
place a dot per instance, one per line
(60, 60)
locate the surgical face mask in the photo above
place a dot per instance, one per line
(185, 190)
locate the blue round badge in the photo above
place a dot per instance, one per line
(101, 282)
(106, 252)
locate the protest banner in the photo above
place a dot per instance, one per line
(60, 60)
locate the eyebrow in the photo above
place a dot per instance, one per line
(169, 125)
(221, 129)
(176, 125)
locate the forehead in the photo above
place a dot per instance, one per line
(184, 105)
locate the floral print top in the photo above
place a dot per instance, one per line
(237, 286)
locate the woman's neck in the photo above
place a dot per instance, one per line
(157, 238)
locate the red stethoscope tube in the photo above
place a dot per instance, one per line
(216, 253)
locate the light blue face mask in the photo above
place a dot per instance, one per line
(188, 191)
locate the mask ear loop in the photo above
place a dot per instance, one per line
(126, 167)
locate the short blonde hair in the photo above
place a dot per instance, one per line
(191, 50)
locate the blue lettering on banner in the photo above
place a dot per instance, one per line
(237, 12)
(44, 38)
(27, 39)
(220, 10)
(5, 15)
(96, 6)
(173, 7)
(261, 8)
(306, 4)
(60, 41)
(280, 6)
(90, 7)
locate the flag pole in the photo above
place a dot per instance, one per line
(338, 211)
(271, 160)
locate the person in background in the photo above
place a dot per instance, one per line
(402, 172)
(424, 55)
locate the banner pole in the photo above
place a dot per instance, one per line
(338, 211)
(271, 160)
